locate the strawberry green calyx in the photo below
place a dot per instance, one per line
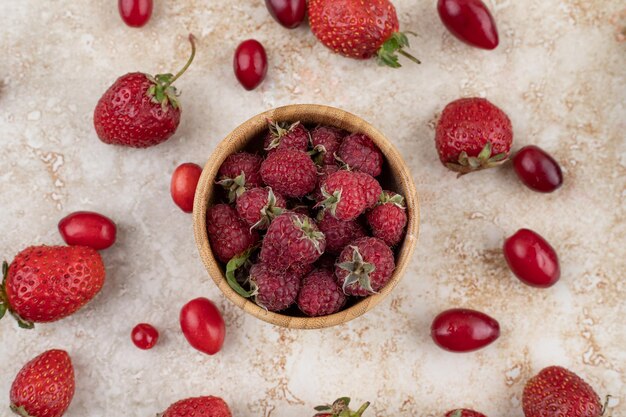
(235, 187)
(359, 271)
(278, 130)
(388, 52)
(310, 232)
(269, 212)
(340, 408)
(20, 411)
(162, 91)
(4, 301)
(484, 160)
(231, 268)
(457, 413)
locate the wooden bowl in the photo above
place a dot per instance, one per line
(396, 177)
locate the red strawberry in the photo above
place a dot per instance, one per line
(557, 392)
(320, 295)
(44, 386)
(240, 171)
(339, 233)
(360, 29)
(228, 234)
(464, 412)
(259, 206)
(365, 266)
(340, 408)
(140, 110)
(388, 219)
(348, 194)
(360, 153)
(274, 290)
(473, 134)
(292, 239)
(326, 141)
(47, 283)
(289, 172)
(286, 136)
(198, 407)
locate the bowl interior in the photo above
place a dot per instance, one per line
(395, 177)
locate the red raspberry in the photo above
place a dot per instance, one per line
(322, 173)
(259, 206)
(228, 234)
(360, 153)
(339, 233)
(273, 289)
(289, 172)
(292, 239)
(300, 269)
(464, 412)
(348, 194)
(240, 171)
(364, 267)
(326, 140)
(285, 136)
(320, 295)
(388, 219)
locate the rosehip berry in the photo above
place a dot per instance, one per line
(86, 228)
(464, 330)
(289, 13)
(183, 185)
(470, 21)
(135, 13)
(532, 259)
(537, 169)
(144, 336)
(250, 64)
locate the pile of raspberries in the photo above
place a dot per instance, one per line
(308, 223)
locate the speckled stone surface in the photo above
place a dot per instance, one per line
(558, 73)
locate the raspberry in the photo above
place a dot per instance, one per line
(284, 136)
(326, 141)
(289, 172)
(322, 173)
(364, 267)
(320, 295)
(240, 171)
(273, 289)
(259, 206)
(339, 233)
(348, 194)
(360, 153)
(371, 188)
(388, 219)
(228, 234)
(292, 239)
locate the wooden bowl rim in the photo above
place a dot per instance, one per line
(250, 129)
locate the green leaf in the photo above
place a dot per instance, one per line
(232, 266)
(485, 153)
(23, 324)
(3, 310)
(322, 408)
(499, 157)
(5, 270)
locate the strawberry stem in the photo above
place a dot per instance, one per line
(361, 410)
(192, 40)
(389, 50)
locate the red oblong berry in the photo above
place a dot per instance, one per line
(86, 228)
(537, 169)
(144, 336)
(464, 330)
(135, 13)
(470, 21)
(183, 185)
(289, 13)
(203, 325)
(532, 259)
(250, 64)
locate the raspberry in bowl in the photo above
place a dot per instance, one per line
(306, 216)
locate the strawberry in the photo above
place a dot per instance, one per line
(340, 408)
(359, 153)
(320, 295)
(557, 392)
(388, 219)
(325, 141)
(289, 172)
(286, 136)
(339, 233)
(228, 234)
(273, 289)
(463, 412)
(473, 134)
(292, 239)
(44, 386)
(198, 407)
(364, 267)
(259, 206)
(140, 110)
(360, 29)
(48, 283)
(348, 194)
(239, 172)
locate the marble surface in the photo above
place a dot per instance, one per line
(558, 73)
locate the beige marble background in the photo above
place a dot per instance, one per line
(559, 73)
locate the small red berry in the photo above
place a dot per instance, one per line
(250, 64)
(135, 13)
(320, 295)
(360, 153)
(470, 21)
(229, 235)
(289, 172)
(289, 13)
(537, 169)
(463, 330)
(532, 259)
(203, 326)
(144, 336)
(86, 228)
(183, 185)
